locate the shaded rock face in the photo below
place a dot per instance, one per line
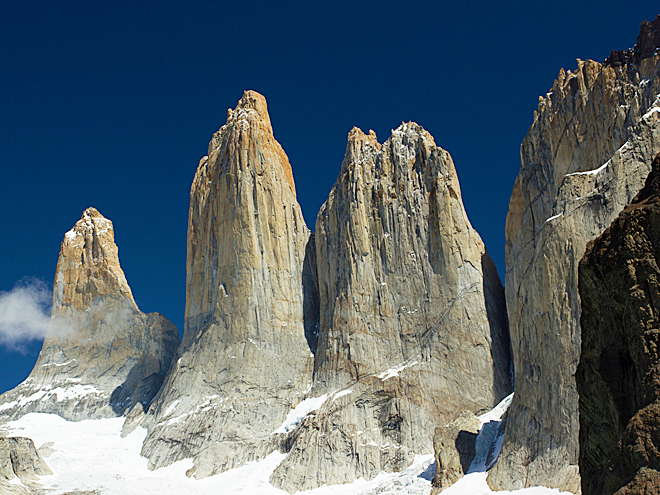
(102, 355)
(251, 308)
(412, 319)
(454, 446)
(584, 158)
(618, 377)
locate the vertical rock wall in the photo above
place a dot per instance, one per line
(618, 377)
(584, 158)
(412, 319)
(245, 359)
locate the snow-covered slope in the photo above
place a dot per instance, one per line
(91, 456)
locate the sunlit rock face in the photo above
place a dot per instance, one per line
(412, 318)
(251, 306)
(584, 158)
(102, 356)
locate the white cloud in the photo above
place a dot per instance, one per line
(24, 314)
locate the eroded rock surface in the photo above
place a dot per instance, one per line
(412, 319)
(245, 360)
(584, 158)
(618, 377)
(102, 355)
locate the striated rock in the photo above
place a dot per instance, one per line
(102, 356)
(20, 459)
(20, 462)
(618, 377)
(245, 361)
(584, 158)
(412, 319)
(454, 446)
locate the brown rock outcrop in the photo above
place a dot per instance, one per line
(102, 355)
(245, 361)
(584, 158)
(618, 377)
(412, 320)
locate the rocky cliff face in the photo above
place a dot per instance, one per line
(251, 310)
(412, 319)
(618, 377)
(584, 158)
(20, 461)
(102, 356)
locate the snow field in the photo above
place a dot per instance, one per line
(92, 456)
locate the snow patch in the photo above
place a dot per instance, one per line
(341, 394)
(59, 364)
(296, 415)
(392, 372)
(92, 456)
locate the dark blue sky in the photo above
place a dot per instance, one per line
(112, 104)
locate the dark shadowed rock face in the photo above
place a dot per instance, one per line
(102, 355)
(618, 378)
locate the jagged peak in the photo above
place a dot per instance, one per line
(648, 43)
(249, 121)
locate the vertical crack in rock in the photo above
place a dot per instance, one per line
(102, 357)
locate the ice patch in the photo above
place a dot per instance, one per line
(554, 217)
(591, 172)
(296, 415)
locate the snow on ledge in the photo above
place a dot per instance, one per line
(395, 370)
(296, 415)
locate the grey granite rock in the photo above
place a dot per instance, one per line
(20, 462)
(102, 355)
(412, 320)
(584, 158)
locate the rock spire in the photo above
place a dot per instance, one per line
(412, 319)
(245, 359)
(102, 356)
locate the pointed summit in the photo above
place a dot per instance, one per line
(245, 360)
(102, 356)
(88, 266)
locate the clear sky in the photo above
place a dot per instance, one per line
(112, 104)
